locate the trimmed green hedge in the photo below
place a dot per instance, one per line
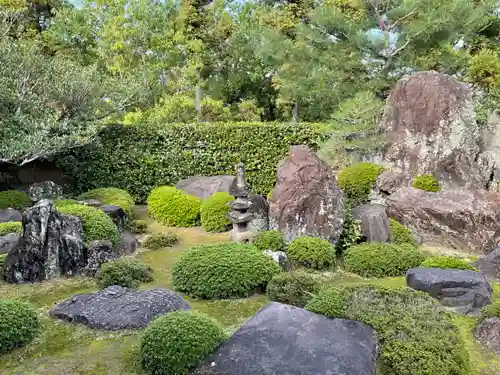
(213, 212)
(138, 226)
(357, 180)
(401, 234)
(171, 206)
(158, 241)
(126, 272)
(294, 288)
(269, 240)
(18, 324)
(139, 158)
(112, 196)
(311, 252)
(10, 227)
(14, 199)
(442, 261)
(426, 182)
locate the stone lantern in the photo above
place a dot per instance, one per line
(239, 215)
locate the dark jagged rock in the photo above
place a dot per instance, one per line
(99, 252)
(9, 242)
(128, 243)
(116, 213)
(374, 222)
(45, 190)
(205, 186)
(488, 333)
(260, 213)
(116, 308)
(10, 215)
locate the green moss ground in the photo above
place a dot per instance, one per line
(63, 348)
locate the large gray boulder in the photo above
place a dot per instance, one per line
(464, 291)
(375, 226)
(128, 243)
(45, 190)
(10, 215)
(116, 308)
(205, 186)
(9, 242)
(116, 213)
(307, 200)
(287, 340)
(487, 333)
(51, 245)
(99, 252)
(260, 213)
(489, 264)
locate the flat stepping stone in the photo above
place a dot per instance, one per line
(287, 340)
(116, 308)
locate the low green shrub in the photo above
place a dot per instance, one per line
(382, 259)
(18, 324)
(311, 252)
(295, 288)
(442, 261)
(112, 196)
(223, 271)
(426, 182)
(126, 272)
(14, 199)
(2, 261)
(10, 227)
(173, 207)
(158, 241)
(357, 180)
(400, 234)
(416, 334)
(96, 224)
(65, 202)
(138, 226)
(269, 240)
(492, 310)
(177, 342)
(213, 213)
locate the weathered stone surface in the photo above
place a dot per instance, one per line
(205, 186)
(260, 213)
(464, 291)
(374, 222)
(116, 213)
(388, 182)
(307, 199)
(10, 215)
(128, 243)
(461, 219)
(431, 126)
(489, 264)
(488, 334)
(116, 308)
(51, 245)
(287, 340)
(9, 242)
(99, 252)
(45, 190)
(280, 258)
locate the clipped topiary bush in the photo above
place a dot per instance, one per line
(10, 227)
(14, 199)
(357, 180)
(177, 342)
(126, 272)
(269, 240)
(442, 261)
(213, 212)
(223, 271)
(400, 234)
(171, 206)
(311, 252)
(138, 226)
(158, 241)
(18, 324)
(382, 259)
(426, 182)
(112, 196)
(96, 224)
(416, 334)
(295, 288)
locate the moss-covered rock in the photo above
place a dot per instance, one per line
(426, 182)
(112, 196)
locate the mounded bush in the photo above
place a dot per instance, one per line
(223, 271)
(158, 241)
(400, 234)
(112, 196)
(177, 342)
(357, 180)
(269, 240)
(10, 227)
(2, 261)
(14, 199)
(138, 226)
(426, 182)
(295, 288)
(416, 334)
(96, 224)
(382, 259)
(173, 207)
(126, 272)
(442, 261)
(311, 252)
(213, 212)
(492, 310)
(18, 324)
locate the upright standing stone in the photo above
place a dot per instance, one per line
(375, 225)
(45, 190)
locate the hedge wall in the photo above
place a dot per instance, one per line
(139, 158)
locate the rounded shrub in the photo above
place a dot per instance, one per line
(213, 213)
(269, 240)
(426, 182)
(126, 272)
(158, 241)
(138, 226)
(223, 271)
(10, 227)
(357, 180)
(400, 234)
(14, 199)
(295, 288)
(311, 252)
(177, 342)
(173, 207)
(18, 324)
(112, 196)
(382, 259)
(442, 261)
(96, 224)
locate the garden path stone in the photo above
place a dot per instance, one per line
(116, 308)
